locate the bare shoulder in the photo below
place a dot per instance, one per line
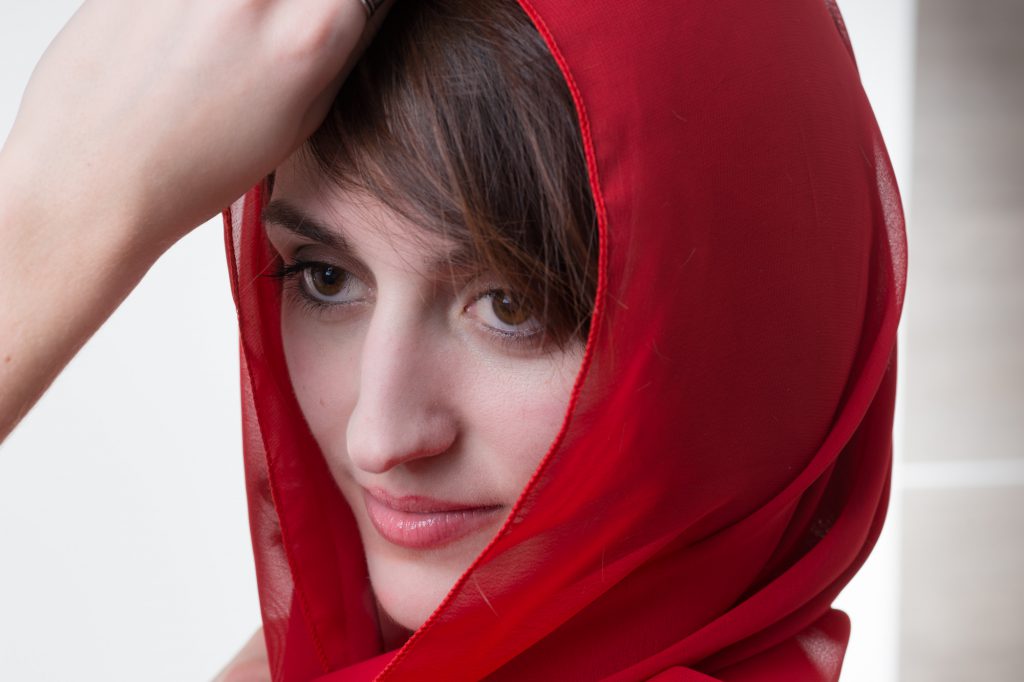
(250, 664)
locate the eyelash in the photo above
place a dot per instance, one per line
(290, 274)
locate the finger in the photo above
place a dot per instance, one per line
(322, 102)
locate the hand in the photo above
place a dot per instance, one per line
(141, 121)
(165, 112)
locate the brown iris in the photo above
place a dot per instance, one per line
(508, 309)
(327, 280)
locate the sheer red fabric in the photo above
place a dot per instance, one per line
(723, 468)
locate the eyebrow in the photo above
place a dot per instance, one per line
(460, 262)
(283, 214)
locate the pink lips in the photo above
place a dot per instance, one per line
(421, 522)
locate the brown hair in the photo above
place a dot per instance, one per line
(458, 118)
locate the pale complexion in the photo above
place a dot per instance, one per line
(411, 378)
(127, 140)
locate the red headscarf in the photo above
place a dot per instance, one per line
(723, 468)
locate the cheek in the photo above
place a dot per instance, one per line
(517, 417)
(323, 364)
(508, 411)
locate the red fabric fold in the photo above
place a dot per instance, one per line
(723, 468)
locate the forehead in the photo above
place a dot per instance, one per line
(308, 205)
(304, 192)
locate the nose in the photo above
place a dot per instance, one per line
(402, 412)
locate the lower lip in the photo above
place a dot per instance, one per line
(425, 530)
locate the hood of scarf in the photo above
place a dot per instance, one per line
(723, 467)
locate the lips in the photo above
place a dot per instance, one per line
(417, 522)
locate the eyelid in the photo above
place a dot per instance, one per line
(311, 253)
(294, 286)
(537, 326)
(305, 273)
(511, 340)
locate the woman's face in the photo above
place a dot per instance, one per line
(425, 388)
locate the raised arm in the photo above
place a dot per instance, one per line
(140, 122)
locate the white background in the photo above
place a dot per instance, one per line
(124, 546)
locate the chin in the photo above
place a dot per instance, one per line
(410, 585)
(408, 590)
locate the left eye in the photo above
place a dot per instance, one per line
(506, 313)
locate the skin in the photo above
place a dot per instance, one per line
(207, 97)
(407, 386)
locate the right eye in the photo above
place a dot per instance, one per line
(324, 283)
(331, 284)
(324, 280)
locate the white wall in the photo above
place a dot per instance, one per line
(882, 33)
(122, 510)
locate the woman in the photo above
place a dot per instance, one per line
(720, 466)
(674, 483)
